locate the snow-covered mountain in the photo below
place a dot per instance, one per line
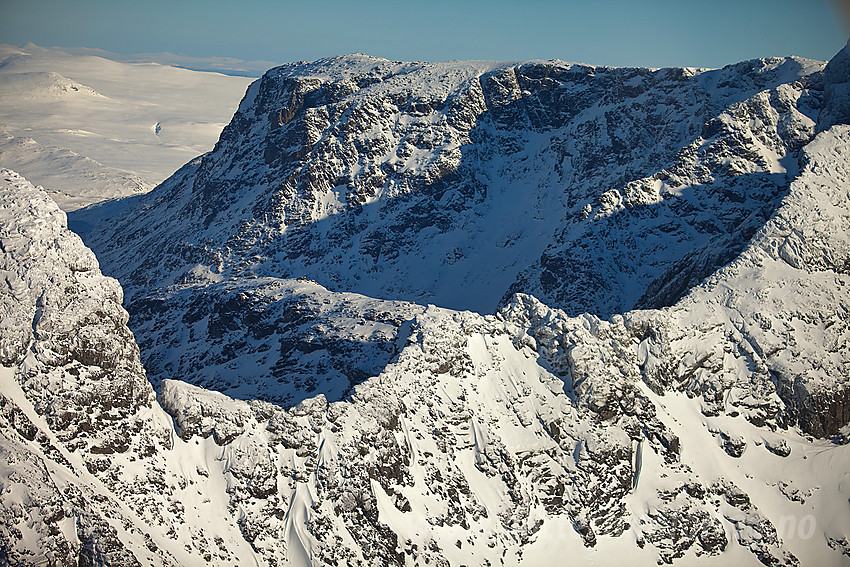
(444, 182)
(322, 413)
(76, 407)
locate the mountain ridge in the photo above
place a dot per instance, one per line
(290, 204)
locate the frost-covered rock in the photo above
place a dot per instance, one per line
(203, 412)
(91, 472)
(782, 307)
(64, 327)
(73, 387)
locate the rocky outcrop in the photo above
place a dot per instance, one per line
(73, 386)
(89, 471)
(67, 333)
(465, 428)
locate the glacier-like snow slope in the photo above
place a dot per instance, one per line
(88, 128)
(226, 65)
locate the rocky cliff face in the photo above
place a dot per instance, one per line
(341, 421)
(90, 471)
(73, 386)
(443, 183)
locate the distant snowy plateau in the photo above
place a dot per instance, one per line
(89, 128)
(463, 313)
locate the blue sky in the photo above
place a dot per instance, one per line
(706, 33)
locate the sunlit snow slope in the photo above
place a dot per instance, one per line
(88, 128)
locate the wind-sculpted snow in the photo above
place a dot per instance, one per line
(522, 438)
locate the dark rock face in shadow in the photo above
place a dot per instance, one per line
(282, 341)
(836, 101)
